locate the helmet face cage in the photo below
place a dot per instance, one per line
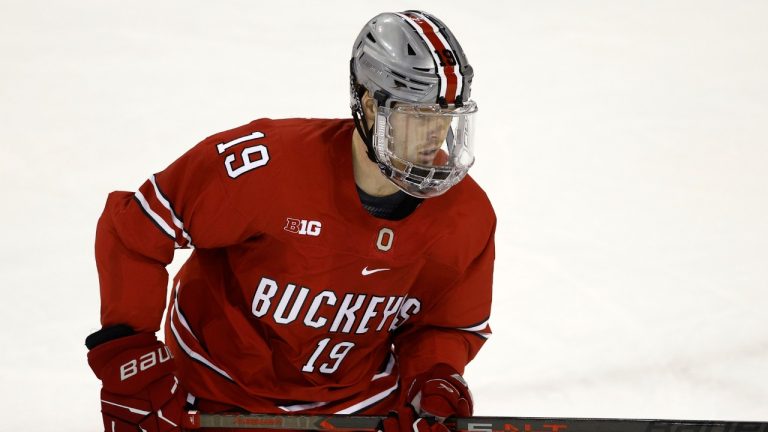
(425, 148)
(414, 68)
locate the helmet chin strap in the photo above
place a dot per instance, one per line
(365, 134)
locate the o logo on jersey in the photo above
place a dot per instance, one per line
(386, 237)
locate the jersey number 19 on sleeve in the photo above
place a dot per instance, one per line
(252, 157)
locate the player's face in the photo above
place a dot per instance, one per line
(419, 137)
(424, 149)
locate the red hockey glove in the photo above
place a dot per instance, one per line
(433, 396)
(139, 391)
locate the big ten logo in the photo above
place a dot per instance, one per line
(303, 227)
(146, 361)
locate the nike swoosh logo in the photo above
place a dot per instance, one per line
(367, 272)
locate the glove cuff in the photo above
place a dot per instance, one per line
(107, 334)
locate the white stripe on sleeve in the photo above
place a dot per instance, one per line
(176, 220)
(155, 217)
(477, 329)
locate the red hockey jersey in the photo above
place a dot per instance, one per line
(295, 297)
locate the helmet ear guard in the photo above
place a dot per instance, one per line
(358, 112)
(361, 120)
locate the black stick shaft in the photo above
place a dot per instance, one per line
(473, 424)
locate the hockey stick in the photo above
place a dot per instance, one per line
(195, 420)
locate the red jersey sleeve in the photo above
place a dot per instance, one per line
(187, 204)
(454, 324)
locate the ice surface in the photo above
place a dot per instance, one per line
(624, 145)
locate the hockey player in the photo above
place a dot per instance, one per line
(339, 266)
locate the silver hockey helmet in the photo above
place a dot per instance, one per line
(414, 68)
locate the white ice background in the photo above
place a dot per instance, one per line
(623, 143)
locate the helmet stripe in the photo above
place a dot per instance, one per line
(453, 72)
(448, 81)
(441, 78)
(442, 36)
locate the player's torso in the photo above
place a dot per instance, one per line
(310, 298)
(324, 283)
